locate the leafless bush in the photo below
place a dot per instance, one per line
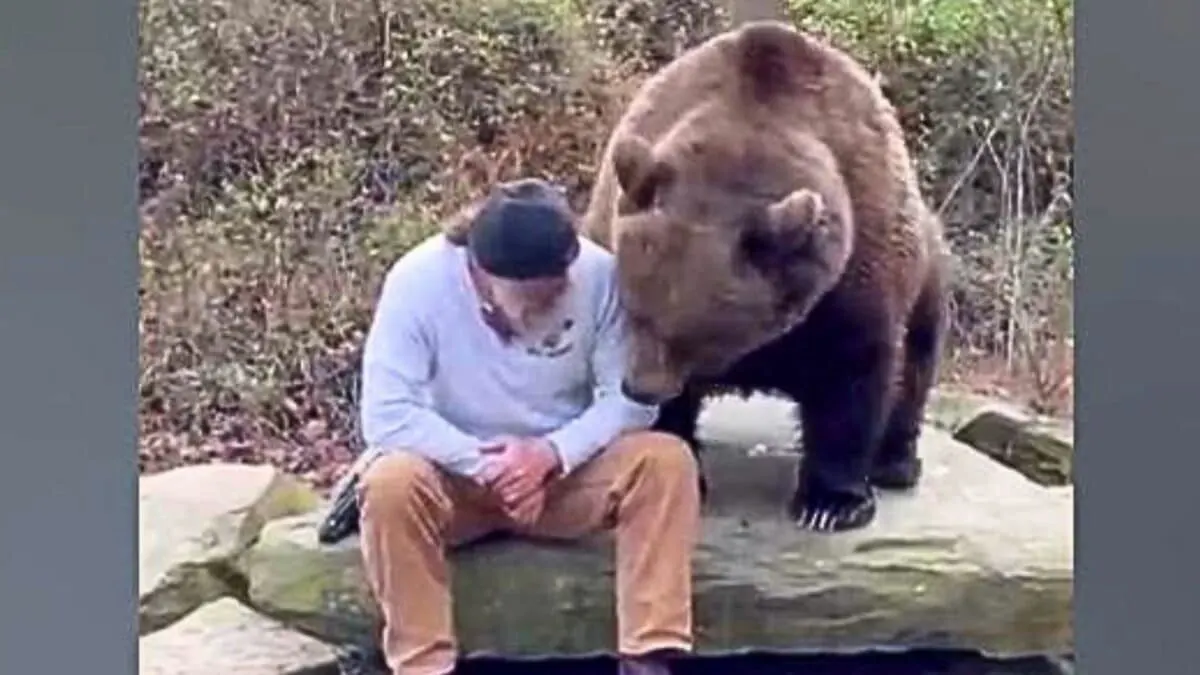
(289, 152)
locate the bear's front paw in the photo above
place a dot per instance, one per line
(900, 474)
(821, 511)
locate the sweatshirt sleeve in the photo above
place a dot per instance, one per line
(397, 366)
(610, 413)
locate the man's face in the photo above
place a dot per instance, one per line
(527, 304)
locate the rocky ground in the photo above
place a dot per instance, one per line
(980, 558)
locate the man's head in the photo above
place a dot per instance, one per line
(522, 242)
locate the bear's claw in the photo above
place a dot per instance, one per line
(834, 513)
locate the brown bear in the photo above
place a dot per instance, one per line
(771, 236)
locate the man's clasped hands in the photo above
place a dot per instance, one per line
(517, 473)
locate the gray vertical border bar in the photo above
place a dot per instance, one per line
(68, 337)
(1137, 153)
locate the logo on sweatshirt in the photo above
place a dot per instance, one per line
(555, 343)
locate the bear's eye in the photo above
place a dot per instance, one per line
(626, 206)
(641, 323)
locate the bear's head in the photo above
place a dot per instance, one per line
(720, 249)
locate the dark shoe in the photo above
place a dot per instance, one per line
(650, 664)
(363, 660)
(360, 660)
(630, 666)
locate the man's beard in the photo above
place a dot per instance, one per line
(528, 322)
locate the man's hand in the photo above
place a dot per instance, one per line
(521, 470)
(527, 511)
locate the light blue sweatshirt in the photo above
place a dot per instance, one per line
(439, 382)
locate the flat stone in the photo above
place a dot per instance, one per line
(193, 521)
(977, 557)
(225, 636)
(1041, 448)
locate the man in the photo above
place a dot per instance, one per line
(492, 394)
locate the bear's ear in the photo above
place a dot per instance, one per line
(803, 209)
(797, 228)
(639, 173)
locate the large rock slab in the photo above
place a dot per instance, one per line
(193, 521)
(978, 557)
(1039, 447)
(227, 637)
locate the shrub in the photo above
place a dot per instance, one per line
(984, 90)
(291, 151)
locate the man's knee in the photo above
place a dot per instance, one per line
(398, 479)
(664, 454)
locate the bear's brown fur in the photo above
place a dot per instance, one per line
(770, 235)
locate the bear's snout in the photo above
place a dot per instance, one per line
(642, 396)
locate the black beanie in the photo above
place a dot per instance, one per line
(524, 230)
